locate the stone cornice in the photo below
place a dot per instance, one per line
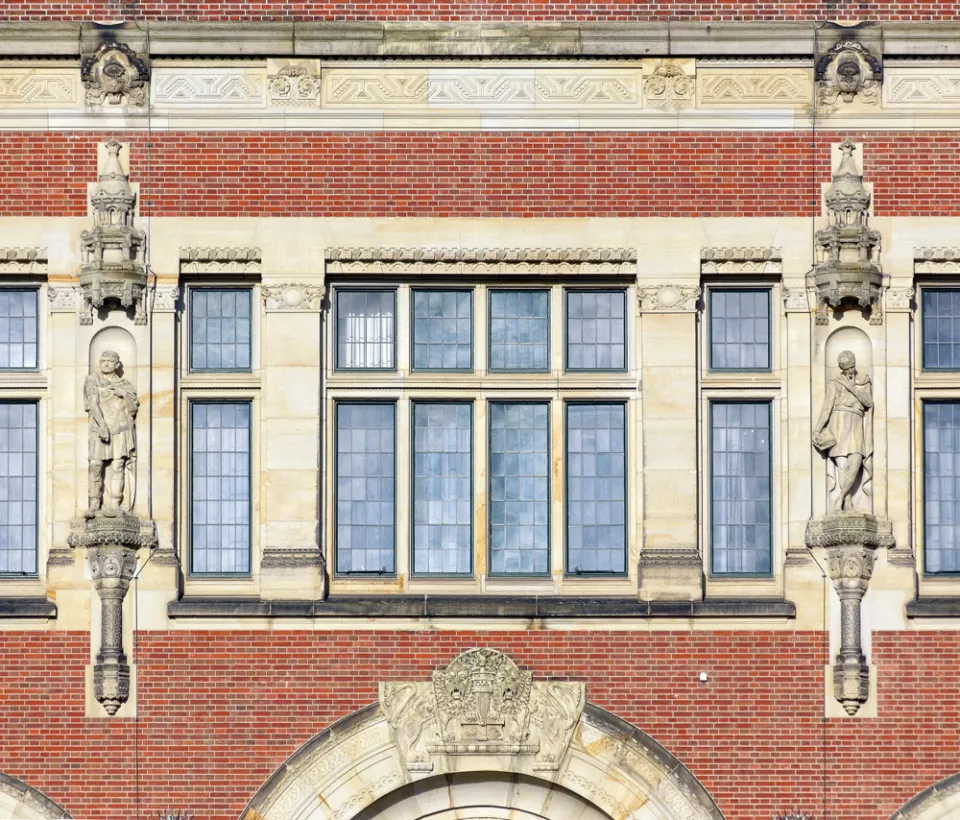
(488, 39)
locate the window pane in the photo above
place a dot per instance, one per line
(519, 480)
(442, 489)
(18, 329)
(941, 486)
(18, 488)
(740, 497)
(940, 318)
(519, 330)
(596, 488)
(442, 330)
(366, 324)
(220, 487)
(220, 329)
(365, 512)
(739, 329)
(596, 330)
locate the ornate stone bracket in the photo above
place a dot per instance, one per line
(112, 545)
(741, 260)
(848, 72)
(483, 704)
(115, 75)
(668, 298)
(851, 541)
(23, 260)
(220, 260)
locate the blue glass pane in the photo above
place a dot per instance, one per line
(941, 486)
(519, 330)
(18, 329)
(220, 329)
(18, 488)
(596, 488)
(366, 324)
(365, 486)
(940, 318)
(220, 487)
(442, 330)
(442, 489)
(740, 496)
(596, 330)
(519, 488)
(739, 329)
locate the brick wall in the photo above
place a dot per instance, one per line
(219, 711)
(491, 10)
(479, 174)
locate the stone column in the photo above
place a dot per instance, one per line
(670, 566)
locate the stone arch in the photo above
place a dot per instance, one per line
(941, 801)
(540, 737)
(18, 801)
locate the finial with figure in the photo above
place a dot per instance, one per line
(112, 404)
(844, 433)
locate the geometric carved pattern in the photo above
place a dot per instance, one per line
(23, 260)
(741, 260)
(220, 260)
(37, 86)
(209, 86)
(766, 87)
(936, 260)
(922, 86)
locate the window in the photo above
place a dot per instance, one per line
(365, 487)
(940, 318)
(596, 488)
(220, 487)
(18, 488)
(442, 488)
(741, 489)
(442, 330)
(366, 329)
(18, 329)
(941, 486)
(596, 330)
(220, 329)
(519, 470)
(739, 329)
(519, 330)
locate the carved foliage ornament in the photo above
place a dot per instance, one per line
(294, 86)
(669, 87)
(293, 297)
(668, 298)
(848, 72)
(483, 704)
(115, 75)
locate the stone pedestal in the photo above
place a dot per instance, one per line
(112, 544)
(850, 541)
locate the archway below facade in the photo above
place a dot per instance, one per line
(18, 801)
(941, 801)
(483, 734)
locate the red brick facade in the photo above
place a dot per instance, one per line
(220, 711)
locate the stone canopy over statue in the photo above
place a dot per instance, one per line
(844, 433)
(112, 404)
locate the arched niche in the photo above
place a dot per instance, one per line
(355, 770)
(848, 338)
(18, 801)
(941, 801)
(119, 340)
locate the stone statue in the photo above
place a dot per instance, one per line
(844, 433)
(112, 404)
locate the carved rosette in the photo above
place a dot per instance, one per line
(293, 297)
(115, 75)
(482, 704)
(851, 542)
(846, 73)
(668, 298)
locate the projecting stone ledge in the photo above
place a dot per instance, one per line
(27, 608)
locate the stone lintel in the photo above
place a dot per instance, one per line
(27, 608)
(460, 606)
(947, 607)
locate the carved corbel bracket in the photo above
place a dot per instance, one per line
(851, 541)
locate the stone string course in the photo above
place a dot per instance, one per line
(220, 711)
(488, 174)
(464, 10)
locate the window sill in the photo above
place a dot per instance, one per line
(27, 608)
(464, 606)
(934, 608)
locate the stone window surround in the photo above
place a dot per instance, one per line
(219, 386)
(756, 385)
(406, 385)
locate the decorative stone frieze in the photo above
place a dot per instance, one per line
(296, 86)
(848, 270)
(220, 260)
(293, 297)
(275, 557)
(741, 260)
(795, 300)
(669, 84)
(899, 300)
(196, 86)
(64, 298)
(115, 75)
(39, 87)
(668, 298)
(546, 261)
(482, 704)
(848, 72)
(23, 260)
(921, 87)
(166, 298)
(113, 268)
(736, 87)
(936, 260)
